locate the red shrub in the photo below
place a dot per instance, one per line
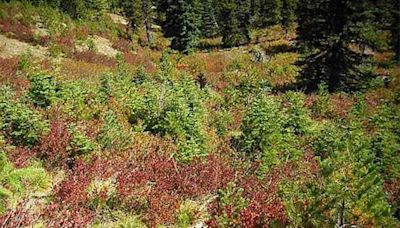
(20, 157)
(93, 57)
(8, 73)
(16, 218)
(70, 205)
(53, 146)
(140, 59)
(17, 30)
(264, 205)
(44, 40)
(163, 182)
(60, 215)
(66, 43)
(122, 45)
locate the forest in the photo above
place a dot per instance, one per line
(199, 113)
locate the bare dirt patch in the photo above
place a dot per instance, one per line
(12, 47)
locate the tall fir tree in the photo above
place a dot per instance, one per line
(327, 28)
(255, 13)
(395, 29)
(132, 11)
(272, 12)
(235, 22)
(209, 24)
(289, 8)
(79, 9)
(182, 24)
(140, 14)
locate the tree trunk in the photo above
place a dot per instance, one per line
(146, 8)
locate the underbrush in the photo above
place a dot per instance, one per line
(217, 139)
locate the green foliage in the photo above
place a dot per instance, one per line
(183, 24)
(80, 99)
(122, 220)
(43, 89)
(351, 189)
(298, 116)
(209, 24)
(112, 134)
(234, 22)
(80, 144)
(187, 214)
(19, 122)
(289, 8)
(386, 142)
(102, 194)
(264, 133)
(172, 110)
(14, 183)
(331, 60)
(232, 202)
(81, 9)
(273, 12)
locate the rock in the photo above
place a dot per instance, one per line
(12, 47)
(118, 19)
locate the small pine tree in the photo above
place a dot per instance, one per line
(132, 10)
(351, 189)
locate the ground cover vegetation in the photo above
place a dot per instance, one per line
(188, 113)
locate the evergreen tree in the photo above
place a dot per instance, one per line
(395, 28)
(140, 13)
(132, 10)
(326, 29)
(79, 9)
(272, 12)
(209, 27)
(288, 14)
(235, 22)
(351, 188)
(255, 13)
(182, 24)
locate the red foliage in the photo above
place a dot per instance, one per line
(93, 57)
(122, 45)
(20, 157)
(53, 146)
(44, 40)
(140, 59)
(16, 29)
(66, 43)
(8, 73)
(60, 215)
(264, 206)
(16, 218)
(163, 182)
(392, 188)
(70, 205)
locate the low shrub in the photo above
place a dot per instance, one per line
(20, 123)
(43, 89)
(264, 135)
(298, 116)
(174, 110)
(14, 183)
